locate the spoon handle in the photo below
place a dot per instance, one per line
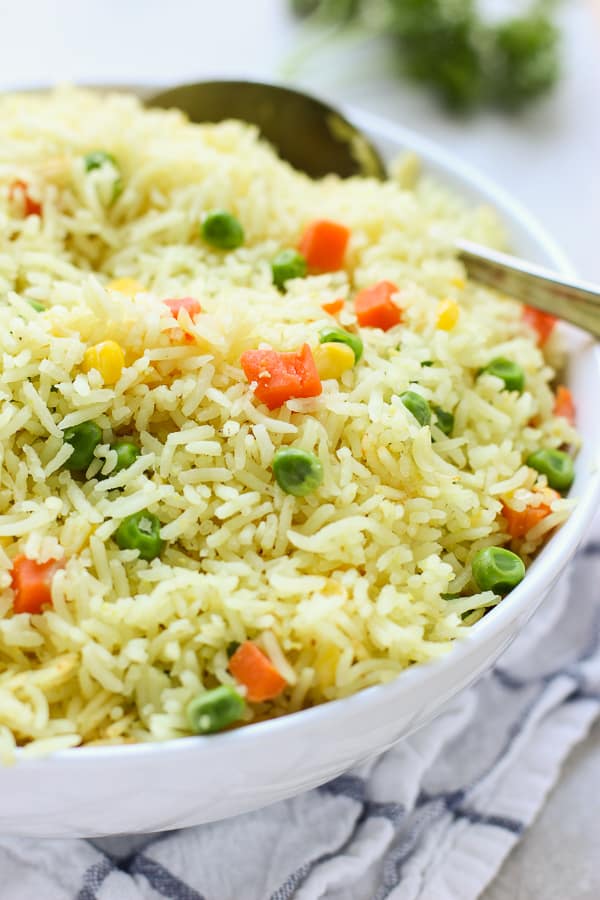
(574, 301)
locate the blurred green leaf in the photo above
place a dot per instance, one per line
(338, 11)
(526, 62)
(448, 46)
(438, 43)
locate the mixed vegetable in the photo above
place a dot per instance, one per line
(556, 465)
(141, 532)
(32, 583)
(497, 569)
(278, 377)
(102, 160)
(127, 453)
(507, 371)
(417, 406)
(254, 670)
(323, 246)
(19, 193)
(84, 439)
(375, 308)
(297, 471)
(258, 679)
(288, 264)
(222, 230)
(215, 709)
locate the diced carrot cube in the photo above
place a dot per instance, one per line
(323, 245)
(32, 583)
(190, 304)
(333, 307)
(374, 307)
(19, 193)
(563, 404)
(281, 376)
(540, 321)
(519, 522)
(252, 668)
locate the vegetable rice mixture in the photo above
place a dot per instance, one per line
(262, 444)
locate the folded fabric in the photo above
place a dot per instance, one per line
(431, 819)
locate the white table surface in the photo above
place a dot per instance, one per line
(549, 158)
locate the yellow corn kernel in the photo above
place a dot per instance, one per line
(458, 282)
(108, 358)
(332, 359)
(447, 315)
(127, 286)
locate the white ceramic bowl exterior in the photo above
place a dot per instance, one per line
(150, 787)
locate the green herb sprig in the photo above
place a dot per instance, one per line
(451, 48)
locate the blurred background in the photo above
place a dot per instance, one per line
(522, 104)
(545, 152)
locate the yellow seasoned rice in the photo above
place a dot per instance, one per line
(343, 588)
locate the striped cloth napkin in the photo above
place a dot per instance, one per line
(432, 819)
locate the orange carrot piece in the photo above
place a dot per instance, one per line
(190, 304)
(323, 245)
(564, 404)
(540, 321)
(374, 307)
(19, 193)
(32, 583)
(281, 376)
(256, 672)
(519, 522)
(334, 307)
(192, 307)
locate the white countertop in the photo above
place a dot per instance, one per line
(549, 158)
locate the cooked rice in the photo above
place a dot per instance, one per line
(342, 588)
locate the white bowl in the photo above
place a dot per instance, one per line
(150, 787)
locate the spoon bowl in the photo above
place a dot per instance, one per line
(311, 135)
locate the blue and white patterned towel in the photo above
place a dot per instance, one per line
(432, 819)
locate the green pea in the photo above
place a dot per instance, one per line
(444, 420)
(127, 453)
(418, 406)
(287, 264)
(296, 471)
(339, 336)
(232, 646)
(556, 465)
(98, 158)
(511, 373)
(39, 307)
(427, 363)
(84, 439)
(117, 188)
(214, 710)
(222, 230)
(141, 531)
(498, 570)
